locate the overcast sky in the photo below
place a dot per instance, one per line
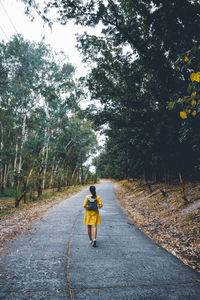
(13, 20)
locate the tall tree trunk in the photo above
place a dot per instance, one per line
(56, 168)
(2, 178)
(2, 166)
(17, 201)
(82, 176)
(183, 188)
(81, 161)
(72, 178)
(25, 185)
(40, 181)
(5, 176)
(22, 144)
(45, 162)
(16, 155)
(86, 175)
(29, 176)
(15, 165)
(8, 173)
(24, 190)
(52, 173)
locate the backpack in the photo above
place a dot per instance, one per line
(92, 204)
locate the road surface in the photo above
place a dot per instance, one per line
(55, 260)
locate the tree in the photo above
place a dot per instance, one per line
(133, 75)
(39, 132)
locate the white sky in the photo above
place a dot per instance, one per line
(62, 38)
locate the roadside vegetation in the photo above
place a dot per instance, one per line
(165, 217)
(45, 139)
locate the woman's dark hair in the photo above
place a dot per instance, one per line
(93, 191)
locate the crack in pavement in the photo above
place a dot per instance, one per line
(105, 287)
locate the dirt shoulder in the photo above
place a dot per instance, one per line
(167, 220)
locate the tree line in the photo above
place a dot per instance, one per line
(152, 129)
(144, 70)
(44, 137)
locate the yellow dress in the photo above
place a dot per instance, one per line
(92, 217)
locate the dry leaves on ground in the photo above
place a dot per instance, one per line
(165, 219)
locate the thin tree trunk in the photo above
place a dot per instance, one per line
(52, 173)
(56, 167)
(2, 167)
(15, 165)
(8, 176)
(163, 191)
(2, 178)
(16, 154)
(22, 144)
(24, 191)
(5, 176)
(183, 188)
(72, 178)
(18, 200)
(29, 176)
(40, 181)
(25, 184)
(86, 175)
(45, 163)
(81, 175)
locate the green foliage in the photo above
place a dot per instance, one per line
(135, 87)
(42, 141)
(134, 77)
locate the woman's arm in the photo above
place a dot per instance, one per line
(100, 204)
(85, 202)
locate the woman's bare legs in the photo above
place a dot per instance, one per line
(94, 227)
(94, 231)
(89, 232)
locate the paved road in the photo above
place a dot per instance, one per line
(56, 261)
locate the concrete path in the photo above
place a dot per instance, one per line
(56, 261)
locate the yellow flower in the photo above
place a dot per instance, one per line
(198, 76)
(183, 115)
(194, 94)
(192, 77)
(186, 59)
(195, 77)
(194, 113)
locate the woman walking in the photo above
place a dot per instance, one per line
(92, 218)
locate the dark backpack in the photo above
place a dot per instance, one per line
(92, 204)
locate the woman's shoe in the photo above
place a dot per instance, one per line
(94, 243)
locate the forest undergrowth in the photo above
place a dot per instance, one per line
(16, 221)
(167, 218)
